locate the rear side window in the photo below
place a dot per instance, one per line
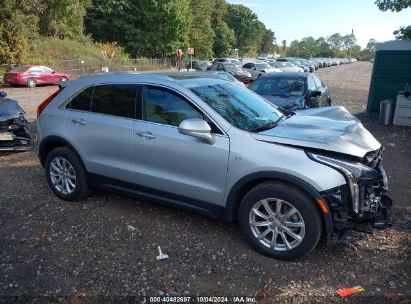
(82, 101)
(116, 100)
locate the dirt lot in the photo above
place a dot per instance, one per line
(104, 248)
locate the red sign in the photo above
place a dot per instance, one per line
(191, 51)
(179, 52)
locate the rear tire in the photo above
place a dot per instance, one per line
(66, 175)
(31, 83)
(293, 221)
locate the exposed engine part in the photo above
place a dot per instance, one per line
(14, 131)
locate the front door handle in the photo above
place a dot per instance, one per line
(146, 134)
(78, 121)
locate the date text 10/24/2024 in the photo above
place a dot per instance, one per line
(199, 299)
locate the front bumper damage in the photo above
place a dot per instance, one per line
(361, 204)
(14, 130)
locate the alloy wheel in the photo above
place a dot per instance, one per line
(31, 83)
(277, 224)
(62, 175)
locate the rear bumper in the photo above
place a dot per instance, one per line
(15, 81)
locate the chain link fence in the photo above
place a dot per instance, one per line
(80, 67)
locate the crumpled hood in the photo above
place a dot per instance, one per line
(327, 128)
(288, 103)
(9, 109)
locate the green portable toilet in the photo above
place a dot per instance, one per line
(391, 72)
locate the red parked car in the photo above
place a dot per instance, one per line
(32, 75)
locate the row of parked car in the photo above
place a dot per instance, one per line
(256, 67)
(280, 82)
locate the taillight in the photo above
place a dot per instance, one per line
(44, 104)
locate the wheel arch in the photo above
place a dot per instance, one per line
(52, 142)
(245, 184)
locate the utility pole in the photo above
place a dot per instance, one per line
(352, 37)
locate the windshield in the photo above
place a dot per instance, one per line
(261, 66)
(278, 86)
(239, 106)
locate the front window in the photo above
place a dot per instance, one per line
(279, 86)
(36, 70)
(166, 107)
(239, 106)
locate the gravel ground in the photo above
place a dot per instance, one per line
(104, 249)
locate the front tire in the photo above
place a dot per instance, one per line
(66, 175)
(280, 221)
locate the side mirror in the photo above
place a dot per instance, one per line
(197, 128)
(53, 71)
(3, 94)
(315, 93)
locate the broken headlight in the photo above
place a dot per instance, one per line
(351, 171)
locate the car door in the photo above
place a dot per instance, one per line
(99, 123)
(323, 98)
(48, 75)
(214, 67)
(252, 69)
(172, 164)
(312, 101)
(37, 74)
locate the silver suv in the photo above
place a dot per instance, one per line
(221, 150)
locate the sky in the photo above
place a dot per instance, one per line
(296, 19)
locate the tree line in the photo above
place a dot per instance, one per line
(335, 45)
(143, 28)
(153, 28)
(157, 28)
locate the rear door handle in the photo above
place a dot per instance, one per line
(78, 121)
(146, 134)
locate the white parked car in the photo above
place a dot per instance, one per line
(285, 66)
(257, 69)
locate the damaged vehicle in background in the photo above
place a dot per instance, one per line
(292, 91)
(239, 73)
(14, 131)
(210, 146)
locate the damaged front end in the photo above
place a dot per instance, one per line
(362, 200)
(14, 131)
